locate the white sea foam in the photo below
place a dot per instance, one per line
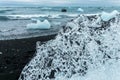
(38, 15)
(47, 8)
(27, 16)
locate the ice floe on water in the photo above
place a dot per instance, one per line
(80, 9)
(39, 25)
(79, 52)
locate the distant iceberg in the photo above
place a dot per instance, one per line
(107, 16)
(39, 25)
(80, 9)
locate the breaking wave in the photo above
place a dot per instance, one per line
(84, 44)
(5, 10)
(4, 18)
(46, 8)
(20, 17)
(27, 17)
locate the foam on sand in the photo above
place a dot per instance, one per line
(39, 25)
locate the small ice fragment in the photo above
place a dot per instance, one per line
(39, 25)
(107, 16)
(1, 53)
(80, 9)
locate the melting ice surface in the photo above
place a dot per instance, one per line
(106, 72)
(39, 25)
(87, 48)
(107, 16)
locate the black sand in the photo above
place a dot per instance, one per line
(16, 54)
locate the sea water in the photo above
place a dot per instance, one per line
(52, 10)
(14, 20)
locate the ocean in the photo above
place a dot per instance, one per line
(13, 20)
(52, 10)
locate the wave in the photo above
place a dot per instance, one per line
(4, 18)
(43, 15)
(20, 17)
(5, 10)
(46, 8)
(24, 17)
(84, 44)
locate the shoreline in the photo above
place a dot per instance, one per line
(16, 53)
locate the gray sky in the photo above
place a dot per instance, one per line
(60, 2)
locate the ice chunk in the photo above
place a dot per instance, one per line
(39, 25)
(78, 52)
(1, 53)
(80, 9)
(107, 16)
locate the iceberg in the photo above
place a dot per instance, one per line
(39, 25)
(107, 16)
(80, 9)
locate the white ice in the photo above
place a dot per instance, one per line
(106, 72)
(79, 52)
(107, 16)
(39, 25)
(80, 9)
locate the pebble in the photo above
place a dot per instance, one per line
(1, 53)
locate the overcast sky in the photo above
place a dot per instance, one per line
(60, 2)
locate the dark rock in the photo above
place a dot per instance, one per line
(64, 10)
(52, 74)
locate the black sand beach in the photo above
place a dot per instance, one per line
(16, 53)
(18, 45)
